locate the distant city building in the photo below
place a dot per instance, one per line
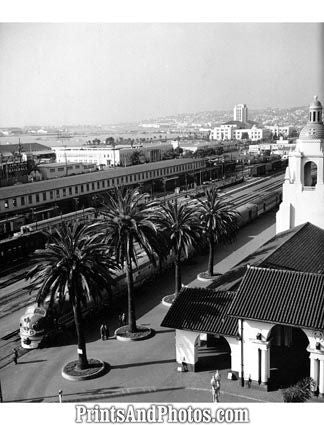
(240, 128)
(234, 132)
(109, 156)
(277, 131)
(241, 113)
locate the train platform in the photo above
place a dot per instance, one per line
(142, 371)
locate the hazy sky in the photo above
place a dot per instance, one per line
(108, 73)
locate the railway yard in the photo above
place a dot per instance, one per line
(252, 198)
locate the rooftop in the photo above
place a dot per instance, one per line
(202, 310)
(281, 297)
(281, 252)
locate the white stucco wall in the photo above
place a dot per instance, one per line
(302, 203)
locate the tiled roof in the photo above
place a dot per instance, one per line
(202, 310)
(304, 251)
(281, 297)
(281, 252)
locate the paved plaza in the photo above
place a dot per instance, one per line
(142, 371)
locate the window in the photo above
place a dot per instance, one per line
(51, 194)
(130, 178)
(44, 196)
(57, 193)
(77, 167)
(98, 185)
(88, 187)
(102, 183)
(22, 200)
(52, 170)
(76, 189)
(6, 204)
(70, 190)
(14, 202)
(30, 199)
(64, 191)
(82, 188)
(60, 169)
(93, 186)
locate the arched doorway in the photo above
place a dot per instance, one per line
(213, 352)
(310, 174)
(289, 359)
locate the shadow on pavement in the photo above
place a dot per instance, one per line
(124, 366)
(100, 393)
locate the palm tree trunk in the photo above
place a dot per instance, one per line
(83, 361)
(211, 254)
(177, 269)
(131, 304)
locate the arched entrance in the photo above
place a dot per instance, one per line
(310, 174)
(289, 359)
(213, 352)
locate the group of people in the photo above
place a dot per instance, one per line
(104, 328)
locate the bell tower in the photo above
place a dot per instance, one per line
(303, 189)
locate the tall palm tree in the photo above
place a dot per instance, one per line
(76, 266)
(219, 220)
(181, 228)
(128, 228)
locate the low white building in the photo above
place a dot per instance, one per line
(106, 155)
(234, 132)
(284, 131)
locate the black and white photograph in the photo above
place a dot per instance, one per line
(161, 218)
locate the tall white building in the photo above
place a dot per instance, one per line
(241, 112)
(303, 189)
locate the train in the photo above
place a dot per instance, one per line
(30, 237)
(84, 215)
(39, 322)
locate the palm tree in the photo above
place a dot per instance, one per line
(219, 221)
(128, 228)
(180, 225)
(76, 266)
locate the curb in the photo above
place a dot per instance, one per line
(93, 375)
(135, 338)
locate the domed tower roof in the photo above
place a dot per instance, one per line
(314, 129)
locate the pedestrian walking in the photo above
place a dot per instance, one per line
(215, 384)
(249, 381)
(15, 355)
(106, 331)
(102, 332)
(123, 319)
(60, 395)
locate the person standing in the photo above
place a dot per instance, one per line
(106, 331)
(102, 331)
(215, 384)
(15, 355)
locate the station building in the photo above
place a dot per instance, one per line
(263, 319)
